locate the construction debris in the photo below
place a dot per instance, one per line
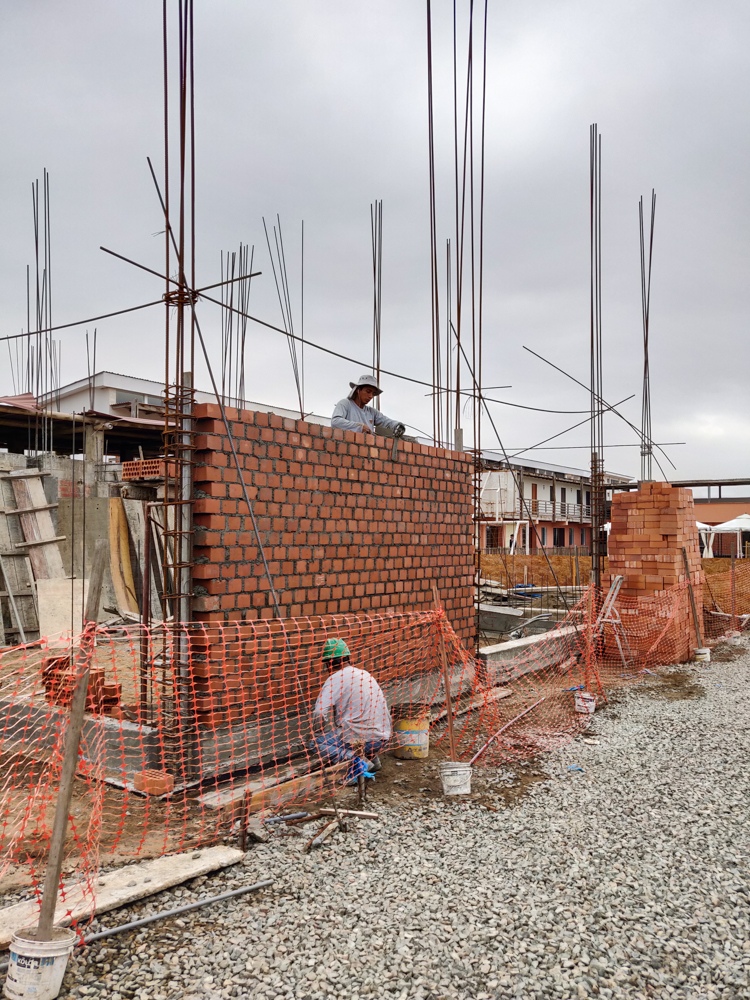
(322, 835)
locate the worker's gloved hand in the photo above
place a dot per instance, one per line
(400, 430)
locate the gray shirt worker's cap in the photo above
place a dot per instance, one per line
(364, 380)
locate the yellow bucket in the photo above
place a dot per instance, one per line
(412, 739)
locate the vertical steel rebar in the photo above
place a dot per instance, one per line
(598, 537)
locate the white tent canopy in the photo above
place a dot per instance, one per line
(739, 523)
(734, 527)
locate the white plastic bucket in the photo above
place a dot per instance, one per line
(456, 777)
(36, 968)
(585, 703)
(702, 655)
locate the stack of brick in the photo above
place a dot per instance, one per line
(345, 529)
(59, 676)
(650, 528)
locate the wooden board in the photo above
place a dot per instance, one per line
(120, 887)
(220, 798)
(478, 702)
(119, 558)
(306, 786)
(18, 569)
(46, 560)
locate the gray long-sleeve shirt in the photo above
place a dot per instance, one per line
(347, 416)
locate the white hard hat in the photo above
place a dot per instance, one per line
(365, 380)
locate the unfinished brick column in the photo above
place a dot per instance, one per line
(650, 527)
(345, 528)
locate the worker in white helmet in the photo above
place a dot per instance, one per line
(355, 414)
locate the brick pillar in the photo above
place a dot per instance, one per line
(650, 526)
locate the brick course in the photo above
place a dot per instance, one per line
(344, 528)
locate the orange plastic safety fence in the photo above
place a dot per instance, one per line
(188, 728)
(726, 599)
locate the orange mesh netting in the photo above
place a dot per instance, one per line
(187, 727)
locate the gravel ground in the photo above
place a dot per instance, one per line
(624, 874)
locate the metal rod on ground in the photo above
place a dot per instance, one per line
(734, 602)
(507, 725)
(446, 679)
(72, 742)
(698, 635)
(176, 911)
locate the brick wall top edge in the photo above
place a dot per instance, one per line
(212, 411)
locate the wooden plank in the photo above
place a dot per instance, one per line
(46, 560)
(119, 888)
(135, 515)
(322, 835)
(306, 786)
(349, 812)
(222, 797)
(29, 510)
(17, 570)
(41, 541)
(119, 558)
(478, 702)
(25, 474)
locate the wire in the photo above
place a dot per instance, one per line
(604, 402)
(581, 447)
(82, 322)
(566, 431)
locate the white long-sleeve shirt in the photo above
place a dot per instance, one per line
(358, 705)
(347, 416)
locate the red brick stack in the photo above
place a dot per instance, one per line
(650, 526)
(344, 528)
(58, 676)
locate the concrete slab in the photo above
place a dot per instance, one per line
(506, 661)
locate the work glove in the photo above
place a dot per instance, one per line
(400, 430)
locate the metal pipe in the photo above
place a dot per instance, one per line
(283, 819)
(133, 924)
(177, 910)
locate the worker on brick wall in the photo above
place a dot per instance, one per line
(351, 714)
(354, 413)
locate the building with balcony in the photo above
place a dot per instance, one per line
(112, 394)
(526, 505)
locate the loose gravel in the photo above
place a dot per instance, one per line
(624, 874)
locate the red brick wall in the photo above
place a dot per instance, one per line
(344, 528)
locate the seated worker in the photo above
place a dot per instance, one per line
(354, 414)
(350, 714)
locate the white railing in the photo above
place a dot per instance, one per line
(541, 510)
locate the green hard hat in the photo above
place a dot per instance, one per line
(335, 648)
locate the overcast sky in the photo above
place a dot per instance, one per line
(313, 109)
